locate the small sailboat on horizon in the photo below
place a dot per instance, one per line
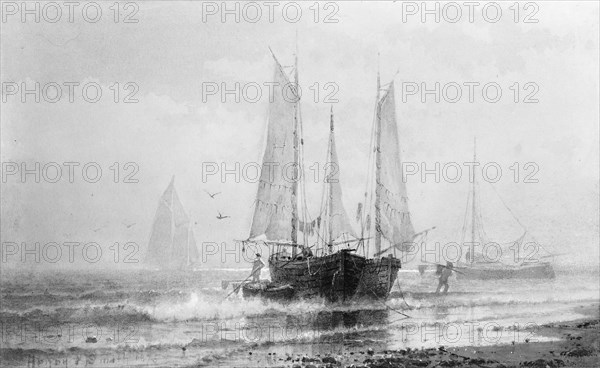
(172, 245)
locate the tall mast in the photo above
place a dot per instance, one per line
(296, 157)
(377, 164)
(330, 206)
(473, 198)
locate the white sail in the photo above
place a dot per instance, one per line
(338, 221)
(273, 208)
(395, 223)
(172, 243)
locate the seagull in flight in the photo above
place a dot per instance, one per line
(212, 195)
(128, 226)
(221, 217)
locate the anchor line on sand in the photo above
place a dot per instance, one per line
(402, 294)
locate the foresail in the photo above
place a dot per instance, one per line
(273, 206)
(395, 223)
(339, 223)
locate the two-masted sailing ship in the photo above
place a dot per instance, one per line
(172, 245)
(332, 275)
(338, 265)
(476, 265)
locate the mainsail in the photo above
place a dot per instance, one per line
(172, 243)
(338, 222)
(274, 207)
(394, 222)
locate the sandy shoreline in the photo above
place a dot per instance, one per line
(575, 344)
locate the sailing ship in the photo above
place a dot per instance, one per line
(332, 272)
(393, 226)
(172, 245)
(477, 266)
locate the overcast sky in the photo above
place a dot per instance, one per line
(170, 52)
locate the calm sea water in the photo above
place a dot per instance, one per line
(149, 318)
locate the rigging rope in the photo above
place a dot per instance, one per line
(507, 208)
(517, 219)
(371, 186)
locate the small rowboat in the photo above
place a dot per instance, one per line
(268, 290)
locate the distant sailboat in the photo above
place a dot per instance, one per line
(172, 244)
(476, 266)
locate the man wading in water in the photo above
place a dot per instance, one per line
(445, 273)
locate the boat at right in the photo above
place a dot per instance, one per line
(386, 197)
(482, 259)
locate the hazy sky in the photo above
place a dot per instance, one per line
(170, 52)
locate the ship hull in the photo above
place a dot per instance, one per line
(378, 277)
(542, 270)
(333, 277)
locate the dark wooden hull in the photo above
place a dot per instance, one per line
(541, 270)
(268, 290)
(334, 277)
(379, 275)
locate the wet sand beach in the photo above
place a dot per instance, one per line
(575, 344)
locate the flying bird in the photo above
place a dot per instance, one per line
(221, 217)
(58, 44)
(128, 226)
(212, 195)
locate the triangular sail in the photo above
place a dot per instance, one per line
(161, 236)
(172, 242)
(394, 223)
(338, 221)
(273, 208)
